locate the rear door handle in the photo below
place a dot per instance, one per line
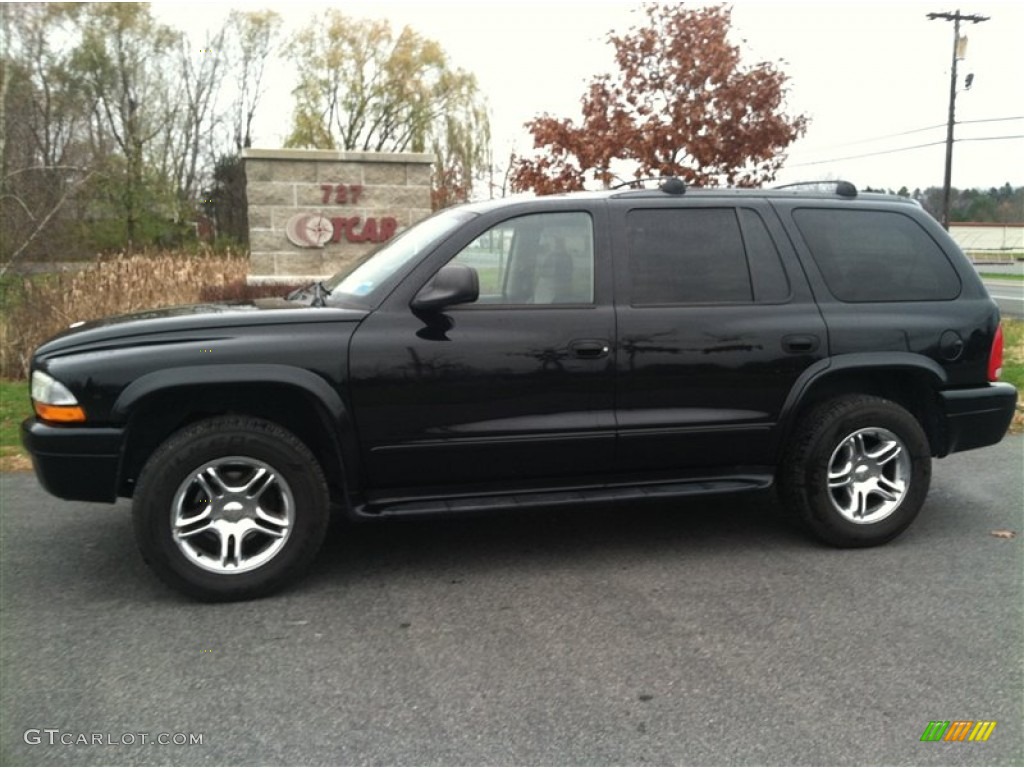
(800, 343)
(589, 349)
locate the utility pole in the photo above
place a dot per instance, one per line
(956, 18)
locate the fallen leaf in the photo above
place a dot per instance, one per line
(1003, 534)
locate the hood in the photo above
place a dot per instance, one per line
(199, 321)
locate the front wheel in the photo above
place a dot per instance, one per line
(857, 471)
(230, 508)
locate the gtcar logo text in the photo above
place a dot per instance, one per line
(958, 730)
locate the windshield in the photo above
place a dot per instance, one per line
(360, 280)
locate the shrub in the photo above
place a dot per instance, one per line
(239, 290)
(38, 307)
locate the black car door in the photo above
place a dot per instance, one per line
(716, 324)
(512, 388)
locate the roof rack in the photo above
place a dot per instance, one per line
(842, 188)
(670, 185)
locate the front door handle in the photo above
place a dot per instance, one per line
(589, 349)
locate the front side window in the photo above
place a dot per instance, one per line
(538, 259)
(876, 256)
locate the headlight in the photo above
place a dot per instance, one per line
(53, 401)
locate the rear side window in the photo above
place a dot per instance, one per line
(876, 256)
(687, 256)
(771, 285)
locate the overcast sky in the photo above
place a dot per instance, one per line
(862, 71)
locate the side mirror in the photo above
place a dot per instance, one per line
(453, 284)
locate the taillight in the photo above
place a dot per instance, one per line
(995, 356)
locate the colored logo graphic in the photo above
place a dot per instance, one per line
(958, 730)
(312, 230)
(309, 230)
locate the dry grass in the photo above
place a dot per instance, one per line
(15, 462)
(1017, 424)
(39, 307)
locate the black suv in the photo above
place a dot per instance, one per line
(559, 350)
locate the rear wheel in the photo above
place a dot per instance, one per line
(230, 508)
(857, 471)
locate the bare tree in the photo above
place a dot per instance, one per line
(191, 143)
(122, 56)
(251, 39)
(43, 111)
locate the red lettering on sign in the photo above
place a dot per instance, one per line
(344, 194)
(374, 230)
(370, 231)
(388, 226)
(338, 222)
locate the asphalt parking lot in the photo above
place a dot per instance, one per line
(1008, 294)
(710, 633)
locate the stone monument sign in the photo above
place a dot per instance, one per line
(312, 211)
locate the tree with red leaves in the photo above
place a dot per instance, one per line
(682, 104)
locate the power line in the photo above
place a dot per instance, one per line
(912, 131)
(866, 154)
(900, 149)
(992, 138)
(990, 120)
(878, 138)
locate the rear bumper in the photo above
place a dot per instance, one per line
(977, 417)
(76, 463)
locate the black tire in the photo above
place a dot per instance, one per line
(880, 464)
(263, 524)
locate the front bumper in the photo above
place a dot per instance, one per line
(73, 462)
(977, 417)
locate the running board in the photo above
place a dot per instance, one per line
(593, 495)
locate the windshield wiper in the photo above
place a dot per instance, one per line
(319, 291)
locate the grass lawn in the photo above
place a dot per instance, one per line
(14, 407)
(999, 276)
(15, 404)
(1013, 356)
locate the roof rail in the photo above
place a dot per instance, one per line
(842, 188)
(671, 185)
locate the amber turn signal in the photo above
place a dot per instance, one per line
(59, 412)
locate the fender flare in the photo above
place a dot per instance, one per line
(324, 397)
(861, 362)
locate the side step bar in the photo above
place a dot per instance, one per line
(556, 498)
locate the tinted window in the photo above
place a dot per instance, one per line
(545, 258)
(876, 256)
(770, 282)
(692, 255)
